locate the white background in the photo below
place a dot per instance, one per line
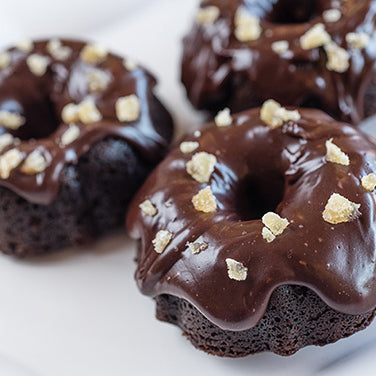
(79, 313)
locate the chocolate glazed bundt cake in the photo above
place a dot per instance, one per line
(312, 53)
(80, 130)
(262, 238)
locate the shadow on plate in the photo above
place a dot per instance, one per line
(115, 242)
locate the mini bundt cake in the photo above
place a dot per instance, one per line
(313, 53)
(258, 233)
(80, 129)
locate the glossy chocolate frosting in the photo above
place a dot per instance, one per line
(260, 169)
(218, 70)
(40, 101)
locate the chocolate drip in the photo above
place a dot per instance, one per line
(260, 169)
(41, 100)
(218, 70)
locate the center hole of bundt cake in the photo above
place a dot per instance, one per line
(258, 195)
(40, 117)
(293, 11)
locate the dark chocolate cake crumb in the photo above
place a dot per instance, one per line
(296, 317)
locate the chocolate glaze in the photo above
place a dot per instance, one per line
(261, 169)
(41, 99)
(219, 71)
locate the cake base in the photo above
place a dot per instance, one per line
(296, 317)
(92, 199)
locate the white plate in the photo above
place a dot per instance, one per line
(79, 313)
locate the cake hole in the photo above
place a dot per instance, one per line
(257, 195)
(292, 11)
(40, 115)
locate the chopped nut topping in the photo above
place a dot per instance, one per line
(335, 154)
(70, 135)
(201, 166)
(247, 26)
(128, 108)
(130, 65)
(25, 45)
(88, 112)
(58, 51)
(332, 15)
(11, 120)
(338, 58)
(161, 240)
(280, 46)
(274, 115)
(4, 59)
(69, 114)
(93, 54)
(6, 139)
(267, 234)
(148, 208)
(9, 161)
(369, 182)
(357, 41)
(188, 146)
(34, 163)
(197, 133)
(339, 209)
(197, 247)
(207, 15)
(236, 270)
(316, 36)
(204, 201)
(223, 118)
(97, 80)
(275, 223)
(37, 64)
